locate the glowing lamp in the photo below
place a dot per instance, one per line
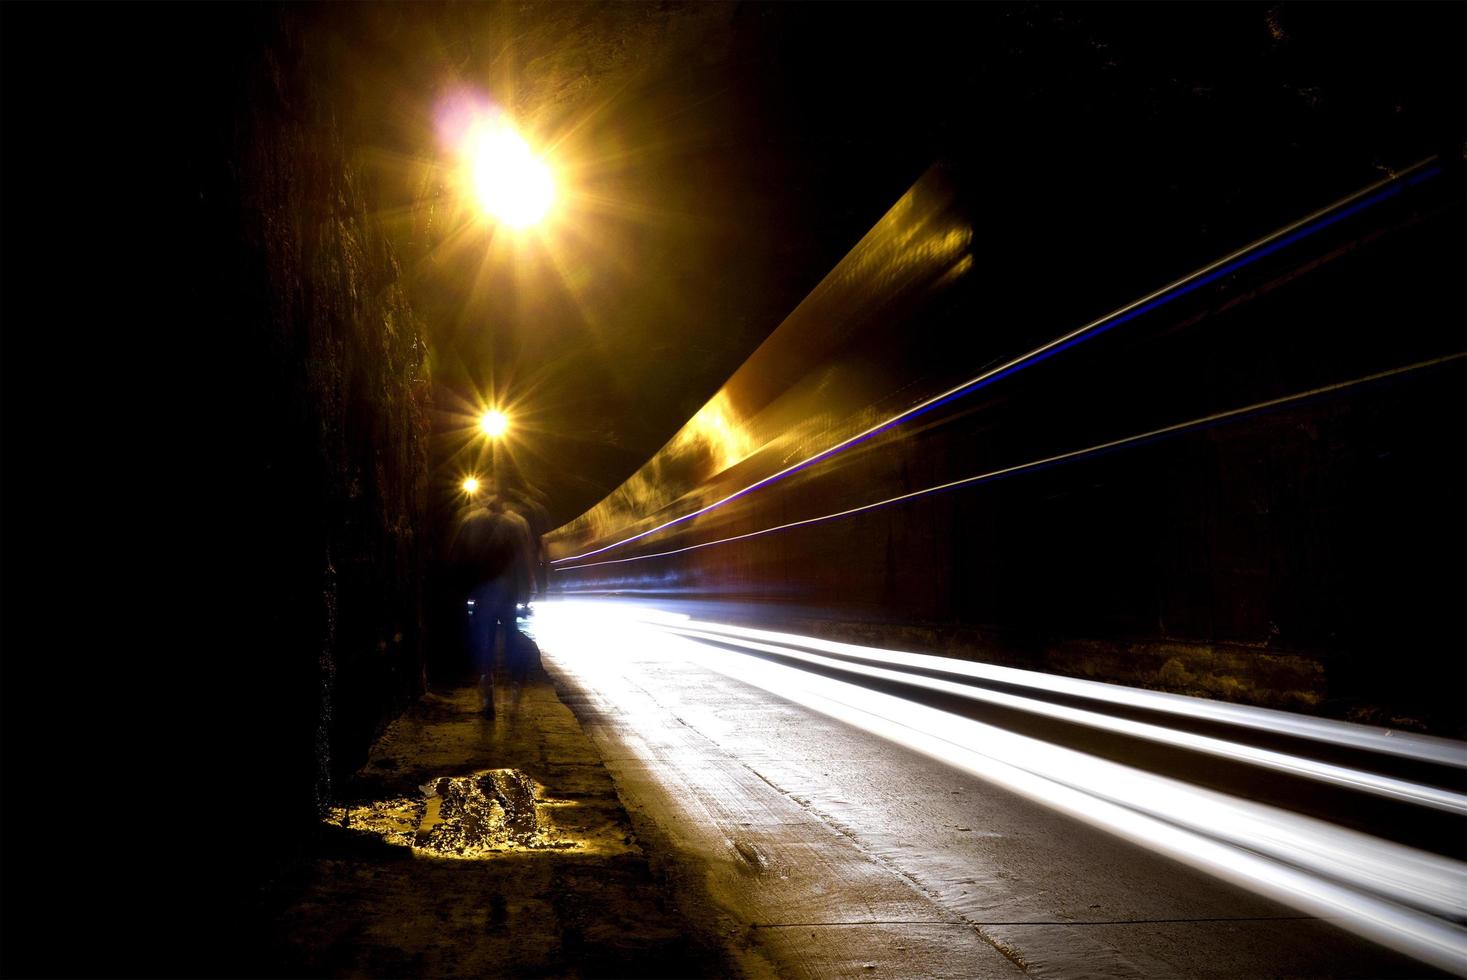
(494, 423)
(514, 186)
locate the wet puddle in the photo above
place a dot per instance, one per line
(473, 817)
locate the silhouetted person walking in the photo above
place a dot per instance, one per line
(527, 501)
(492, 556)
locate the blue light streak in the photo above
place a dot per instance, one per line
(1128, 442)
(1290, 234)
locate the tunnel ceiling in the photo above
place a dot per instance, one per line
(724, 158)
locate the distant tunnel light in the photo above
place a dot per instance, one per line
(470, 486)
(514, 186)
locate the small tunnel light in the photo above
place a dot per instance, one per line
(471, 486)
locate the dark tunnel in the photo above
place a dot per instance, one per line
(246, 336)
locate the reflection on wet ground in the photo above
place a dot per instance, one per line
(472, 817)
(474, 846)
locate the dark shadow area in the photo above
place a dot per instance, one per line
(480, 846)
(214, 472)
(536, 915)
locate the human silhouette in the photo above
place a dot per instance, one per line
(492, 557)
(527, 501)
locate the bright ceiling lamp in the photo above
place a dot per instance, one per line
(513, 185)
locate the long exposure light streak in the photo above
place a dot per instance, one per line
(1384, 741)
(1122, 443)
(1395, 895)
(1406, 874)
(1355, 779)
(1248, 844)
(1232, 262)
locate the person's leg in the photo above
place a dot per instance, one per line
(499, 618)
(481, 648)
(501, 644)
(514, 658)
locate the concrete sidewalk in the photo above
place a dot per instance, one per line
(469, 846)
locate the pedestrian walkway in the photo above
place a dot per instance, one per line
(473, 846)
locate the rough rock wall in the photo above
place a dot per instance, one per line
(215, 436)
(344, 415)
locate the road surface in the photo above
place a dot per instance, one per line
(819, 845)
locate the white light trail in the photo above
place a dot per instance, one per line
(1398, 896)
(1179, 821)
(1421, 748)
(1397, 789)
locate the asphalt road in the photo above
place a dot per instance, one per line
(814, 846)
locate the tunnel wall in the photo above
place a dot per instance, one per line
(1308, 555)
(215, 430)
(341, 456)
